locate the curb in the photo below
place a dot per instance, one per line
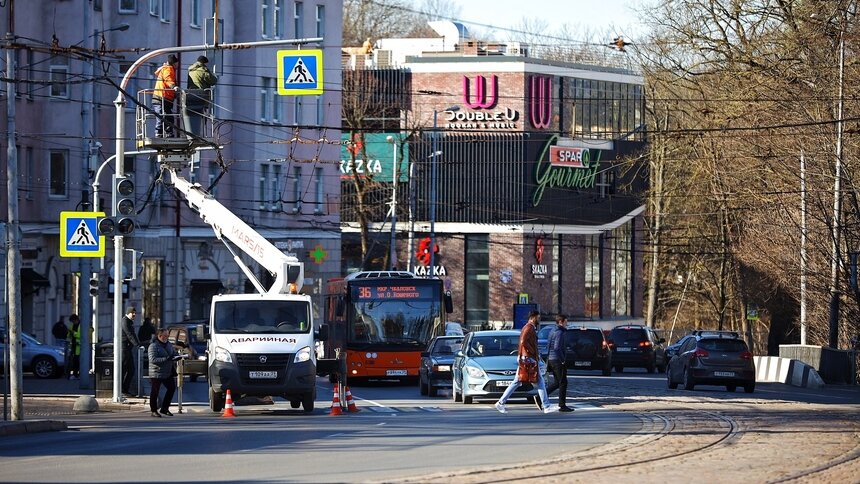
(31, 426)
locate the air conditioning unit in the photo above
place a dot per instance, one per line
(518, 48)
(382, 58)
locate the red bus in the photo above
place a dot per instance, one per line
(384, 320)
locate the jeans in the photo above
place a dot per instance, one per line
(164, 121)
(541, 386)
(559, 372)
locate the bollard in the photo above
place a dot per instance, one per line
(180, 378)
(140, 371)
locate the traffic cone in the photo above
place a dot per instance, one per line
(335, 404)
(350, 403)
(228, 406)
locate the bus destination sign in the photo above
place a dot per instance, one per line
(366, 293)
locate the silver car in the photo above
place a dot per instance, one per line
(43, 360)
(486, 365)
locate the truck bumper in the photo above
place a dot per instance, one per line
(292, 380)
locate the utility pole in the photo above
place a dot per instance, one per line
(13, 254)
(84, 298)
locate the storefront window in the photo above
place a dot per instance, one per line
(477, 294)
(621, 270)
(592, 276)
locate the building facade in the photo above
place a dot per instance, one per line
(521, 172)
(276, 165)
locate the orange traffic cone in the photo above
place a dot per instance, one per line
(335, 404)
(228, 406)
(350, 403)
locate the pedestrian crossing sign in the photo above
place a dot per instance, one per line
(300, 72)
(79, 235)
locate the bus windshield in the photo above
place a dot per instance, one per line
(262, 317)
(408, 318)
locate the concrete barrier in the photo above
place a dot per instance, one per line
(774, 369)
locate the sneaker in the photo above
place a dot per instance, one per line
(538, 403)
(501, 407)
(155, 414)
(565, 409)
(166, 412)
(551, 409)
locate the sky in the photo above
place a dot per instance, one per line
(613, 17)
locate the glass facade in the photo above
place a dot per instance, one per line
(603, 110)
(592, 276)
(622, 270)
(477, 294)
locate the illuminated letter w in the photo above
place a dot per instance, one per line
(540, 101)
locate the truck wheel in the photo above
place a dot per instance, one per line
(308, 402)
(216, 400)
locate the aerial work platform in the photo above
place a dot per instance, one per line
(189, 126)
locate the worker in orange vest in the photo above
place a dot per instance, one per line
(164, 96)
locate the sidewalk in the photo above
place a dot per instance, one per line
(46, 401)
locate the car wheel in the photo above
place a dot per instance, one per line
(44, 367)
(422, 388)
(689, 383)
(295, 403)
(749, 387)
(308, 401)
(619, 369)
(661, 369)
(467, 400)
(216, 400)
(731, 388)
(672, 385)
(432, 391)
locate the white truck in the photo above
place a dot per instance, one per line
(259, 344)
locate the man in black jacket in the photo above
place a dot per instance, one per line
(129, 343)
(555, 362)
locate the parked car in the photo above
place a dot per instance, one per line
(713, 358)
(43, 360)
(434, 370)
(543, 337)
(672, 349)
(637, 346)
(185, 338)
(486, 365)
(586, 349)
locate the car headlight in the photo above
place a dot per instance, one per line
(303, 355)
(441, 367)
(223, 355)
(475, 372)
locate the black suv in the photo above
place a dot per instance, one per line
(713, 358)
(586, 349)
(637, 346)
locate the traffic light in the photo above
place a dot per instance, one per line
(107, 226)
(124, 211)
(94, 287)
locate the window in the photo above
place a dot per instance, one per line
(266, 84)
(127, 6)
(195, 13)
(27, 177)
(151, 289)
(477, 291)
(278, 19)
(275, 183)
(213, 174)
(320, 194)
(59, 81)
(97, 5)
(264, 19)
(134, 81)
(622, 269)
(606, 181)
(592, 276)
(154, 7)
(297, 20)
(165, 10)
(28, 74)
(58, 173)
(264, 185)
(276, 102)
(320, 118)
(297, 189)
(320, 21)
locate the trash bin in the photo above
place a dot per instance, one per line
(104, 370)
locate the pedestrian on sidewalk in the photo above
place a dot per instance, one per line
(162, 372)
(555, 362)
(129, 344)
(528, 370)
(146, 332)
(74, 362)
(60, 332)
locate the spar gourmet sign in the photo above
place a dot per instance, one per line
(564, 167)
(481, 96)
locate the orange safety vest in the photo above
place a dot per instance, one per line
(165, 82)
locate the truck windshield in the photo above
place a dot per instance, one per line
(262, 317)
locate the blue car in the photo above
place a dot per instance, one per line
(486, 365)
(434, 371)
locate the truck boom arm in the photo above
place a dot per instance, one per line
(286, 269)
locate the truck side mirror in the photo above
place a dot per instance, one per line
(322, 334)
(449, 302)
(203, 331)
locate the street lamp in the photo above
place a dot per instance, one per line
(393, 211)
(433, 175)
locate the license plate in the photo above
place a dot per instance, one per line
(724, 373)
(623, 349)
(262, 374)
(503, 383)
(582, 363)
(395, 373)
